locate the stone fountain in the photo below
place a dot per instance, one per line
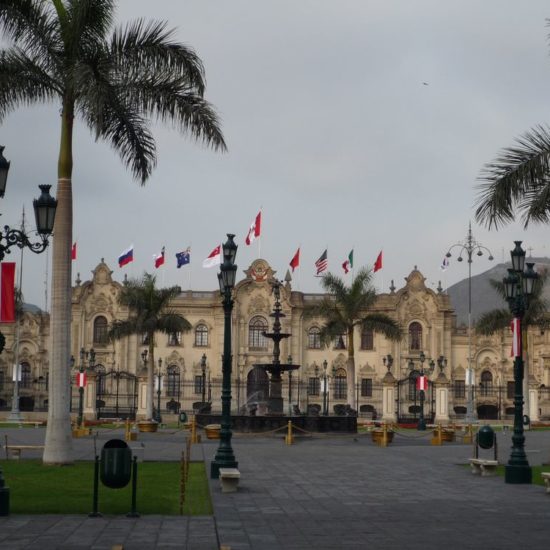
(276, 368)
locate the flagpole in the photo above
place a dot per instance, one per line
(190, 247)
(352, 263)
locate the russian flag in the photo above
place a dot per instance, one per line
(126, 257)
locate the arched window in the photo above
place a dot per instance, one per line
(486, 384)
(340, 384)
(367, 339)
(314, 338)
(415, 336)
(256, 340)
(201, 336)
(26, 378)
(101, 330)
(173, 382)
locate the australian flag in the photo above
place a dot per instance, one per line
(184, 258)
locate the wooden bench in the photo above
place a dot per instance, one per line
(481, 466)
(15, 450)
(546, 478)
(229, 478)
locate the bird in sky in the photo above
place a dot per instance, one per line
(425, 83)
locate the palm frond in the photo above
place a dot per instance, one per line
(384, 324)
(493, 321)
(517, 180)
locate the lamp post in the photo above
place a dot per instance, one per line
(518, 286)
(228, 270)
(469, 246)
(203, 370)
(421, 386)
(81, 380)
(325, 403)
(158, 417)
(44, 211)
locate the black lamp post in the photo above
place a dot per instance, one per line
(421, 385)
(90, 357)
(228, 270)
(289, 361)
(325, 403)
(158, 417)
(203, 369)
(44, 211)
(469, 246)
(519, 286)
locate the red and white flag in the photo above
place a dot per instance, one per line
(73, 251)
(7, 292)
(214, 258)
(515, 325)
(255, 229)
(295, 262)
(159, 258)
(422, 383)
(378, 263)
(81, 379)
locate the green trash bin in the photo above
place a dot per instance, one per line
(183, 417)
(486, 437)
(116, 464)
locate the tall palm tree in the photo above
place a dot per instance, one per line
(149, 313)
(116, 82)
(346, 307)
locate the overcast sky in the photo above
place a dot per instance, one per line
(330, 129)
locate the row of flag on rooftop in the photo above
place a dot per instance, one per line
(214, 258)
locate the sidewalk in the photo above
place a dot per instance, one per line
(320, 493)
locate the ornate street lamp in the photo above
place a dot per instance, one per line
(81, 380)
(289, 361)
(388, 361)
(469, 246)
(203, 369)
(158, 417)
(325, 404)
(518, 286)
(228, 270)
(422, 385)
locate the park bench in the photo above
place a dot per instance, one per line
(546, 478)
(15, 450)
(229, 478)
(483, 466)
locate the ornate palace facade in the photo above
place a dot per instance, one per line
(189, 369)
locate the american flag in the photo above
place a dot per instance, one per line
(322, 263)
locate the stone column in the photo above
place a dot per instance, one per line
(141, 412)
(533, 404)
(389, 388)
(441, 399)
(90, 396)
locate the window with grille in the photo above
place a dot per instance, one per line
(367, 340)
(101, 329)
(314, 338)
(486, 384)
(198, 383)
(340, 384)
(26, 378)
(172, 381)
(460, 389)
(415, 336)
(174, 339)
(340, 342)
(314, 386)
(366, 387)
(256, 340)
(201, 336)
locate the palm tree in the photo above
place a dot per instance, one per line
(536, 315)
(345, 308)
(149, 313)
(63, 50)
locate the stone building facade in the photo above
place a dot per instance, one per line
(189, 370)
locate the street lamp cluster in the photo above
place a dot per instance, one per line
(226, 277)
(469, 246)
(518, 285)
(326, 378)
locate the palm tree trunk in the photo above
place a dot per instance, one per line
(58, 447)
(150, 378)
(350, 368)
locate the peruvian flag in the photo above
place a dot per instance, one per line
(295, 262)
(7, 292)
(73, 251)
(255, 229)
(422, 383)
(159, 258)
(378, 263)
(81, 379)
(515, 325)
(214, 258)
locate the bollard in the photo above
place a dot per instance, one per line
(194, 438)
(468, 436)
(384, 442)
(438, 437)
(289, 439)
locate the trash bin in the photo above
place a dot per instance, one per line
(116, 464)
(183, 417)
(486, 437)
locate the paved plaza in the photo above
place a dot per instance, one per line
(324, 492)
